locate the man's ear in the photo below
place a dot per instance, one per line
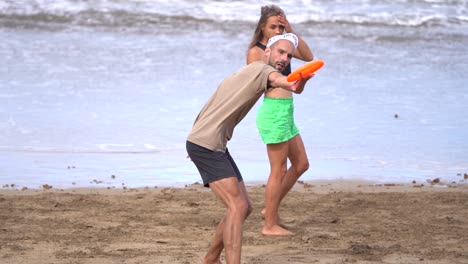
(267, 52)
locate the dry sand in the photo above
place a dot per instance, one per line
(336, 222)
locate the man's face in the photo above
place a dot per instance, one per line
(280, 54)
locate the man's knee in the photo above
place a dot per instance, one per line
(245, 208)
(241, 206)
(249, 210)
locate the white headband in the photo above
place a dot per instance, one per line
(288, 36)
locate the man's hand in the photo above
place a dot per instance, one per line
(299, 85)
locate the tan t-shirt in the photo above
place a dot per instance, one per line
(229, 104)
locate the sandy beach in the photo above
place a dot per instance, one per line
(335, 222)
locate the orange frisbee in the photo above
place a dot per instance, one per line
(305, 70)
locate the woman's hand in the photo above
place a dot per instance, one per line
(283, 21)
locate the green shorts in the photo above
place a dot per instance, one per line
(275, 120)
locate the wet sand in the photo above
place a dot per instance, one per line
(335, 222)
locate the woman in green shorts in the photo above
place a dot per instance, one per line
(275, 120)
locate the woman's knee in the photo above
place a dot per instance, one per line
(302, 166)
(284, 168)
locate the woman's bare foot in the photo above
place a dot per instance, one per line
(207, 261)
(264, 212)
(278, 219)
(218, 262)
(276, 230)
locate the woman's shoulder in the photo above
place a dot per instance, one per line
(255, 54)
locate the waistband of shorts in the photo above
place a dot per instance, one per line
(286, 99)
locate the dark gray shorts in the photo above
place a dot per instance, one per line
(212, 165)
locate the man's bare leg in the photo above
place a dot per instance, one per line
(277, 154)
(213, 256)
(229, 232)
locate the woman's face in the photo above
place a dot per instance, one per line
(272, 28)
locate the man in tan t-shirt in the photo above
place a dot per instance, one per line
(213, 128)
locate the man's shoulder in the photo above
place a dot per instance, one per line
(257, 64)
(261, 66)
(255, 68)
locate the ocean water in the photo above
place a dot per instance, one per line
(103, 93)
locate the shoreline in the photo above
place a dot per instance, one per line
(319, 186)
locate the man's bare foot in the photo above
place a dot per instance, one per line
(276, 230)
